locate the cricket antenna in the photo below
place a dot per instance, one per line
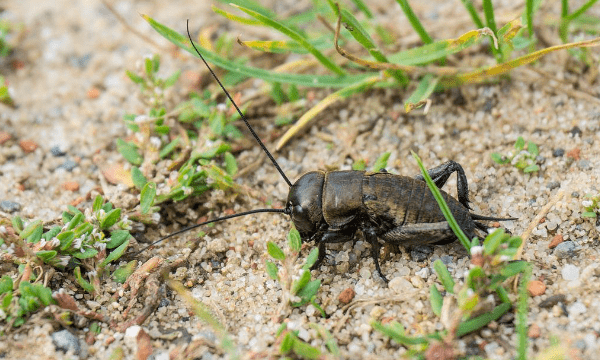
(237, 108)
(284, 211)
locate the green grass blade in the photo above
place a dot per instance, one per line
(296, 37)
(444, 276)
(529, 16)
(341, 94)
(236, 18)
(271, 76)
(400, 338)
(474, 16)
(283, 46)
(581, 10)
(522, 314)
(443, 206)
(414, 21)
(425, 88)
(250, 4)
(486, 73)
(363, 7)
(488, 10)
(439, 49)
(482, 320)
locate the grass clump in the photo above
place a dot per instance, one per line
(83, 246)
(524, 158)
(423, 69)
(297, 290)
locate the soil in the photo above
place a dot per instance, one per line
(67, 77)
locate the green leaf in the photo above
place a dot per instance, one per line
(45, 255)
(230, 164)
(6, 284)
(171, 80)
(444, 275)
(82, 282)
(294, 241)
(135, 78)
(89, 252)
(138, 178)
(17, 223)
(30, 229)
(117, 238)
(381, 162)
(43, 293)
(520, 143)
(589, 214)
(121, 274)
(75, 221)
(311, 259)
(301, 282)
(499, 159)
(115, 254)
(129, 152)
(531, 168)
(304, 350)
(165, 151)
(396, 332)
(359, 165)
(482, 320)
(111, 218)
(436, 299)
(148, 66)
(513, 268)
(493, 240)
(275, 251)
(272, 270)
(66, 239)
(287, 343)
(98, 201)
(270, 76)
(147, 197)
(533, 149)
(36, 235)
(307, 292)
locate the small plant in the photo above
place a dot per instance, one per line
(380, 163)
(525, 158)
(21, 298)
(297, 291)
(591, 205)
(5, 97)
(89, 240)
(292, 344)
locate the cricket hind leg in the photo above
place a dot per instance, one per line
(440, 175)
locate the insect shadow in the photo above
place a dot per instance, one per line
(331, 206)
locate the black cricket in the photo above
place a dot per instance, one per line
(330, 206)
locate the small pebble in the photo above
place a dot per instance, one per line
(577, 308)
(424, 273)
(68, 165)
(558, 152)
(420, 253)
(566, 250)
(552, 300)
(574, 154)
(400, 285)
(584, 164)
(9, 206)
(65, 341)
(93, 93)
(534, 331)
(4, 137)
(553, 185)
(447, 260)
(70, 185)
(570, 272)
(536, 288)
(347, 295)
(28, 146)
(57, 151)
(557, 239)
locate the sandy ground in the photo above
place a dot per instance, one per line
(71, 91)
